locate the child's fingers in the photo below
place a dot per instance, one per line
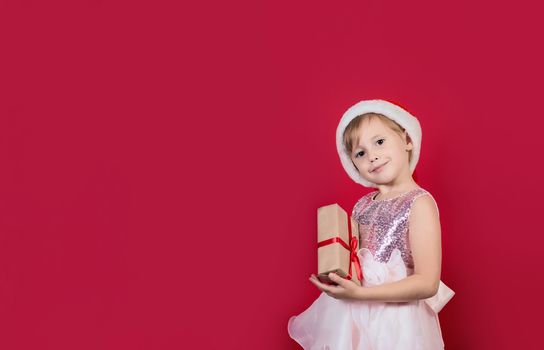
(337, 279)
(323, 287)
(330, 290)
(316, 281)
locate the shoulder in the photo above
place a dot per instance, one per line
(424, 220)
(423, 202)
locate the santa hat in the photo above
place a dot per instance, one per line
(391, 111)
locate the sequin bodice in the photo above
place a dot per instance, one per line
(383, 224)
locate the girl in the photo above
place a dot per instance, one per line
(400, 245)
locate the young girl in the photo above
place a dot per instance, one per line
(400, 245)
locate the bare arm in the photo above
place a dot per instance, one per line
(426, 246)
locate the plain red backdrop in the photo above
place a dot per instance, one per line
(162, 163)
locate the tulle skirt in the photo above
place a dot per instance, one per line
(338, 324)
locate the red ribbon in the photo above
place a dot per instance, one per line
(352, 247)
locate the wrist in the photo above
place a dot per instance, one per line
(361, 293)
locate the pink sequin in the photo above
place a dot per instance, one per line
(383, 224)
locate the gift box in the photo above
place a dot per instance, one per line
(338, 241)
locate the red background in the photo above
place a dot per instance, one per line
(162, 163)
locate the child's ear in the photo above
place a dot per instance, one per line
(408, 141)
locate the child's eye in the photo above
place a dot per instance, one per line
(362, 153)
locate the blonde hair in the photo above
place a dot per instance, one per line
(350, 133)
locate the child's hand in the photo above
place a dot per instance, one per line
(346, 289)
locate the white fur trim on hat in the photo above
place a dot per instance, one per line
(388, 109)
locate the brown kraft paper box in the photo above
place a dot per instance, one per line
(332, 223)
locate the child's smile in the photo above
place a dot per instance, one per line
(378, 168)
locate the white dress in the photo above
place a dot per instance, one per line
(338, 324)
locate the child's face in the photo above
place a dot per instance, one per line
(381, 155)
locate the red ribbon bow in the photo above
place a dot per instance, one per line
(352, 247)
